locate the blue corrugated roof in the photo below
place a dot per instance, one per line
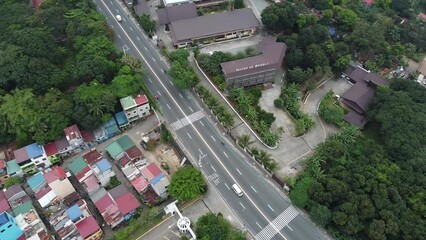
(111, 127)
(74, 212)
(36, 180)
(121, 118)
(157, 178)
(12, 167)
(34, 150)
(103, 165)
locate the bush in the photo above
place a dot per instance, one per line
(330, 112)
(12, 181)
(299, 195)
(113, 182)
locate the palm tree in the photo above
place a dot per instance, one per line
(244, 141)
(263, 157)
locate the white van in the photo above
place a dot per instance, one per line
(237, 190)
(118, 17)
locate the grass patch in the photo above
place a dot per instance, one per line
(330, 110)
(137, 227)
(418, 57)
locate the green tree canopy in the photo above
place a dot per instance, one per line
(187, 183)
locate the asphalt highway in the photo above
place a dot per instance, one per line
(263, 210)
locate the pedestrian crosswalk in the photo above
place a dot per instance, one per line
(187, 120)
(277, 224)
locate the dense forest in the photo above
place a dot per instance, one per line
(58, 66)
(324, 35)
(372, 184)
(361, 189)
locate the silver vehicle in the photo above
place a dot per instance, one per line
(118, 17)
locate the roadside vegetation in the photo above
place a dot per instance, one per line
(261, 156)
(59, 66)
(187, 184)
(182, 73)
(289, 100)
(147, 24)
(211, 226)
(330, 110)
(247, 104)
(218, 109)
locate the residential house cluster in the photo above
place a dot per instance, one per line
(18, 218)
(94, 173)
(66, 211)
(34, 157)
(136, 168)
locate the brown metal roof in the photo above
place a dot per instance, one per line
(176, 12)
(212, 25)
(271, 57)
(355, 119)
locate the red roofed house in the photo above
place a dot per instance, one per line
(93, 156)
(135, 108)
(422, 16)
(36, 4)
(127, 205)
(109, 211)
(89, 229)
(52, 152)
(157, 179)
(73, 136)
(4, 205)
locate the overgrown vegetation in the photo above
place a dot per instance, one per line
(289, 100)
(148, 218)
(59, 66)
(210, 226)
(247, 102)
(147, 24)
(358, 189)
(330, 110)
(220, 111)
(182, 73)
(165, 135)
(211, 64)
(12, 181)
(113, 182)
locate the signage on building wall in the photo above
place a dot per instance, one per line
(251, 67)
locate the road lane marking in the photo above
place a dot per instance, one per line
(213, 138)
(124, 20)
(213, 168)
(166, 238)
(238, 170)
(201, 151)
(117, 10)
(271, 208)
(171, 83)
(183, 122)
(202, 123)
(131, 29)
(191, 109)
(138, 38)
(289, 227)
(277, 224)
(189, 136)
(112, 26)
(146, 49)
(168, 106)
(180, 95)
(153, 59)
(242, 206)
(253, 189)
(225, 154)
(192, 125)
(118, 35)
(227, 186)
(150, 80)
(159, 94)
(258, 225)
